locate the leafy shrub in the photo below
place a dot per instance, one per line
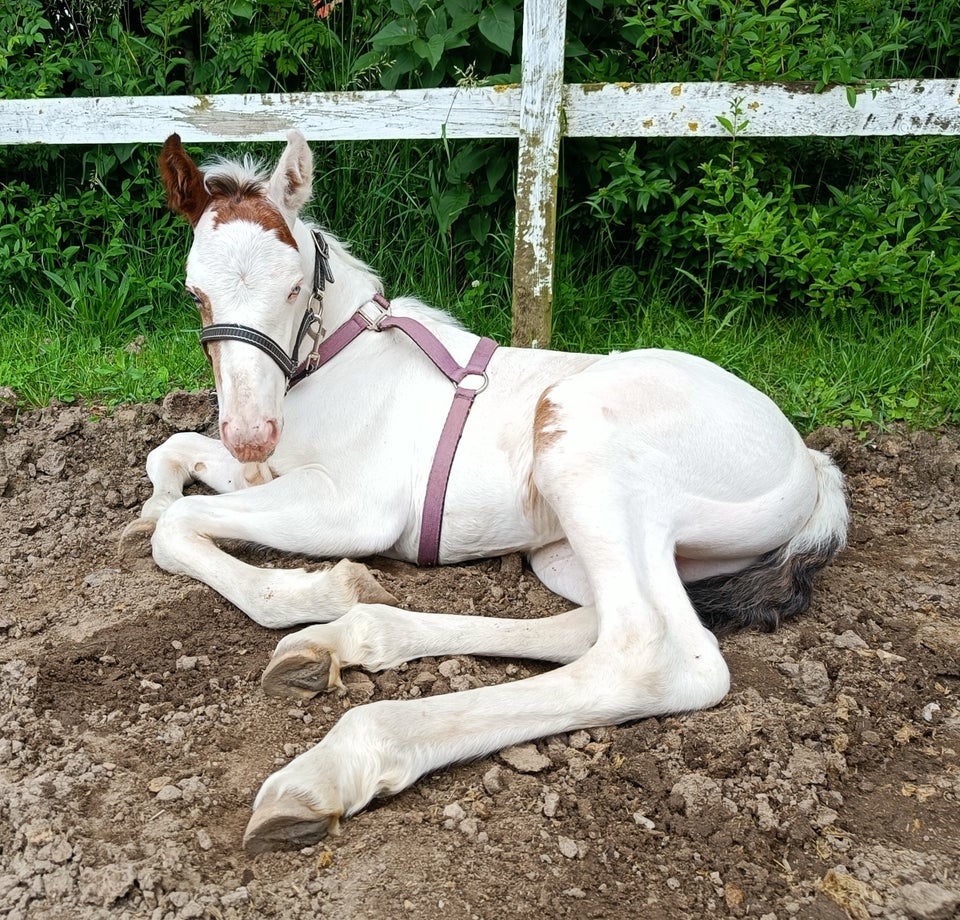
(830, 226)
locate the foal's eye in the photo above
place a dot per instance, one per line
(194, 296)
(295, 292)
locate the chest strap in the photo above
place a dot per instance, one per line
(470, 379)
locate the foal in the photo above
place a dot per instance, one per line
(663, 496)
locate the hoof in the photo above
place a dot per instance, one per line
(135, 540)
(301, 673)
(287, 824)
(361, 586)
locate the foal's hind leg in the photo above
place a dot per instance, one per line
(382, 747)
(377, 637)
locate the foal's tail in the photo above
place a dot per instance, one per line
(779, 584)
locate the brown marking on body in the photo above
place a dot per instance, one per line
(546, 433)
(546, 421)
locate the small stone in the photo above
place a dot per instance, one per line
(579, 740)
(450, 668)
(235, 897)
(813, 682)
(568, 847)
(696, 792)
(186, 662)
(106, 885)
(203, 839)
(191, 909)
(929, 901)
(169, 794)
(492, 781)
(454, 812)
(849, 639)
(551, 801)
(60, 852)
(157, 783)
(525, 758)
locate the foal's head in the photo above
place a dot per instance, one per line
(246, 267)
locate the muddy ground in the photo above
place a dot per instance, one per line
(135, 733)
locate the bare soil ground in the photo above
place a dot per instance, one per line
(135, 734)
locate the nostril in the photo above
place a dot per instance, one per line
(250, 442)
(272, 432)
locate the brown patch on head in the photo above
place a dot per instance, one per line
(257, 210)
(203, 305)
(210, 349)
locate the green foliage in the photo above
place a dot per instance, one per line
(706, 245)
(749, 231)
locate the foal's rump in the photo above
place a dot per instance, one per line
(779, 584)
(702, 456)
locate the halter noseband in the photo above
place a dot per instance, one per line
(287, 363)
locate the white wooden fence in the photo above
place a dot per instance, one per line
(538, 112)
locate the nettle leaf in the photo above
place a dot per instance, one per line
(497, 26)
(401, 32)
(431, 50)
(242, 9)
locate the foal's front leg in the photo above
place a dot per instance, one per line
(184, 458)
(294, 513)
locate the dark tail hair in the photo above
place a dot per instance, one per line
(780, 583)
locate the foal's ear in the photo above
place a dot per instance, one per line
(292, 181)
(186, 193)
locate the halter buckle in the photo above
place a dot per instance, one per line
(373, 313)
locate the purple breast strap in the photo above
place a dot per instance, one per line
(463, 397)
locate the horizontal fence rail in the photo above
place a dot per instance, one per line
(897, 107)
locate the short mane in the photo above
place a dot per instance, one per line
(236, 178)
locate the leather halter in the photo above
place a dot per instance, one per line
(470, 379)
(287, 363)
(374, 315)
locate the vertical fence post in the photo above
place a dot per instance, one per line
(537, 163)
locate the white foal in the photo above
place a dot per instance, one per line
(667, 498)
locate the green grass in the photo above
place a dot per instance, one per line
(848, 370)
(844, 371)
(43, 359)
(114, 342)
